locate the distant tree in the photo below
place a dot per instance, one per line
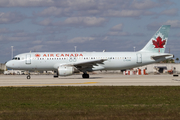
(177, 59)
(172, 61)
(168, 61)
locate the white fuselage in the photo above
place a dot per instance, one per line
(113, 60)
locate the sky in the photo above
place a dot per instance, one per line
(91, 25)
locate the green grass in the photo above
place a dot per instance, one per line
(95, 103)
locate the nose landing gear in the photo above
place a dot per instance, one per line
(28, 76)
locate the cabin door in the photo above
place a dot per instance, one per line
(28, 59)
(139, 58)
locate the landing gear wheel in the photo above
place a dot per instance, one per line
(28, 77)
(55, 74)
(85, 75)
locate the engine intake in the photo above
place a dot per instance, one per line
(65, 71)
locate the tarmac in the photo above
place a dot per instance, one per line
(94, 80)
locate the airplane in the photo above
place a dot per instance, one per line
(67, 63)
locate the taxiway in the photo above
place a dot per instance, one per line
(94, 80)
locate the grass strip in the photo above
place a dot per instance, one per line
(96, 103)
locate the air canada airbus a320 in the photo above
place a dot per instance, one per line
(67, 63)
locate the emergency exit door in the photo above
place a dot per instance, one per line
(28, 59)
(139, 58)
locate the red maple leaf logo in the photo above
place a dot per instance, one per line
(37, 55)
(159, 43)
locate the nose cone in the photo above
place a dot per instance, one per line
(9, 64)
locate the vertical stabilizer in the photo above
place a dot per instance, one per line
(158, 42)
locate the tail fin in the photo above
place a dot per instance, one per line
(158, 42)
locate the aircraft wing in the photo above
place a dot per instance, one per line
(81, 66)
(88, 64)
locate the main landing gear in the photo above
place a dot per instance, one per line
(55, 74)
(85, 75)
(28, 76)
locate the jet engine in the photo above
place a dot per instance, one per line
(65, 70)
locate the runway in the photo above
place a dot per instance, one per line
(94, 80)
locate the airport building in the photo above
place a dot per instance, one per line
(2, 68)
(152, 68)
(161, 67)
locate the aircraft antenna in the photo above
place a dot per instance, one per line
(12, 52)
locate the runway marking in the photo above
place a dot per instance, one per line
(175, 79)
(42, 85)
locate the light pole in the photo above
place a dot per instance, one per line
(134, 49)
(12, 58)
(75, 48)
(12, 52)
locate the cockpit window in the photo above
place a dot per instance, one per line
(16, 58)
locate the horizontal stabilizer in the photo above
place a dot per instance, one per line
(160, 56)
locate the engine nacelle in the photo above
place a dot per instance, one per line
(65, 70)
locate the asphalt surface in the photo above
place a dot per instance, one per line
(94, 80)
